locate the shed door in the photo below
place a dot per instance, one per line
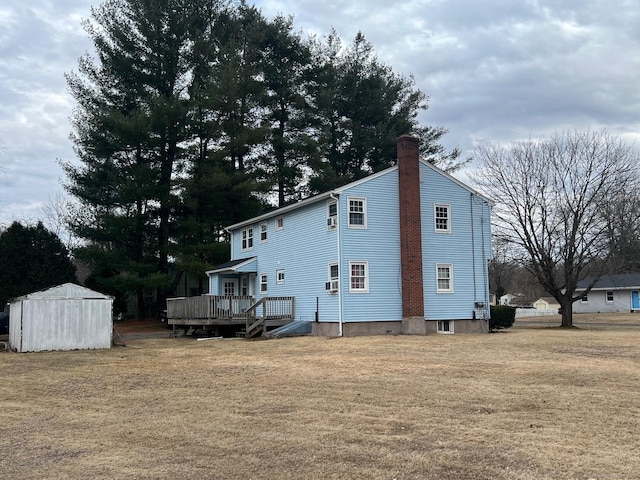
(635, 300)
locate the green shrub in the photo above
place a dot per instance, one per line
(502, 316)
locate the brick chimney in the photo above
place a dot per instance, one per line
(410, 235)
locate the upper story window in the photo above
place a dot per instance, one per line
(332, 214)
(358, 277)
(610, 296)
(357, 213)
(444, 278)
(247, 238)
(280, 277)
(263, 232)
(442, 218)
(279, 223)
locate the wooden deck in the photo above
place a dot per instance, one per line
(210, 311)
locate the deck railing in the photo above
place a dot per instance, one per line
(272, 307)
(208, 306)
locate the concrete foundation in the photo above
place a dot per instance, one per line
(414, 326)
(408, 326)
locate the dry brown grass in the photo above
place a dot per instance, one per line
(520, 404)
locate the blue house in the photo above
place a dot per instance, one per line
(404, 250)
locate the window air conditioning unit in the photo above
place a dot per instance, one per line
(332, 286)
(332, 222)
(479, 304)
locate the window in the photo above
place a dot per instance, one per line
(244, 288)
(585, 298)
(445, 326)
(247, 238)
(332, 214)
(610, 296)
(358, 281)
(357, 213)
(263, 232)
(441, 215)
(279, 223)
(263, 283)
(229, 287)
(444, 278)
(279, 277)
(333, 284)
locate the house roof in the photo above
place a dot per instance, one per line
(338, 191)
(239, 265)
(66, 290)
(612, 282)
(549, 300)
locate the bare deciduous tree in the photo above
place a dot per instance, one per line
(550, 197)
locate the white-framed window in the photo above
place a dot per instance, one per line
(357, 212)
(609, 296)
(263, 232)
(247, 238)
(333, 284)
(584, 299)
(279, 223)
(332, 214)
(358, 277)
(280, 277)
(442, 217)
(244, 285)
(444, 278)
(445, 326)
(263, 283)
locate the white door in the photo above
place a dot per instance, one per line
(230, 287)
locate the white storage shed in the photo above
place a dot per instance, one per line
(66, 317)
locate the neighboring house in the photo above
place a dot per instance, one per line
(510, 298)
(611, 293)
(404, 250)
(546, 303)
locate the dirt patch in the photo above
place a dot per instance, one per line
(142, 329)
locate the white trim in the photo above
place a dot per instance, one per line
(366, 277)
(266, 232)
(364, 213)
(450, 325)
(332, 220)
(265, 283)
(248, 247)
(280, 272)
(435, 217)
(450, 267)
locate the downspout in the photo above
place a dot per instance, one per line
(473, 254)
(340, 274)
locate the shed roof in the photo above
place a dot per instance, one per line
(66, 290)
(622, 280)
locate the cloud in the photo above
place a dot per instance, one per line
(495, 70)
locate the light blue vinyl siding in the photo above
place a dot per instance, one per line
(379, 245)
(303, 248)
(467, 247)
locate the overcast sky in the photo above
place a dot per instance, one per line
(495, 70)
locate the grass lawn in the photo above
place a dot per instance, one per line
(525, 403)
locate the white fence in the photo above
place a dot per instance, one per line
(532, 312)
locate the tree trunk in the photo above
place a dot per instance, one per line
(567, 313)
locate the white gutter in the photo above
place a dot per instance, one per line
(340, 274)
